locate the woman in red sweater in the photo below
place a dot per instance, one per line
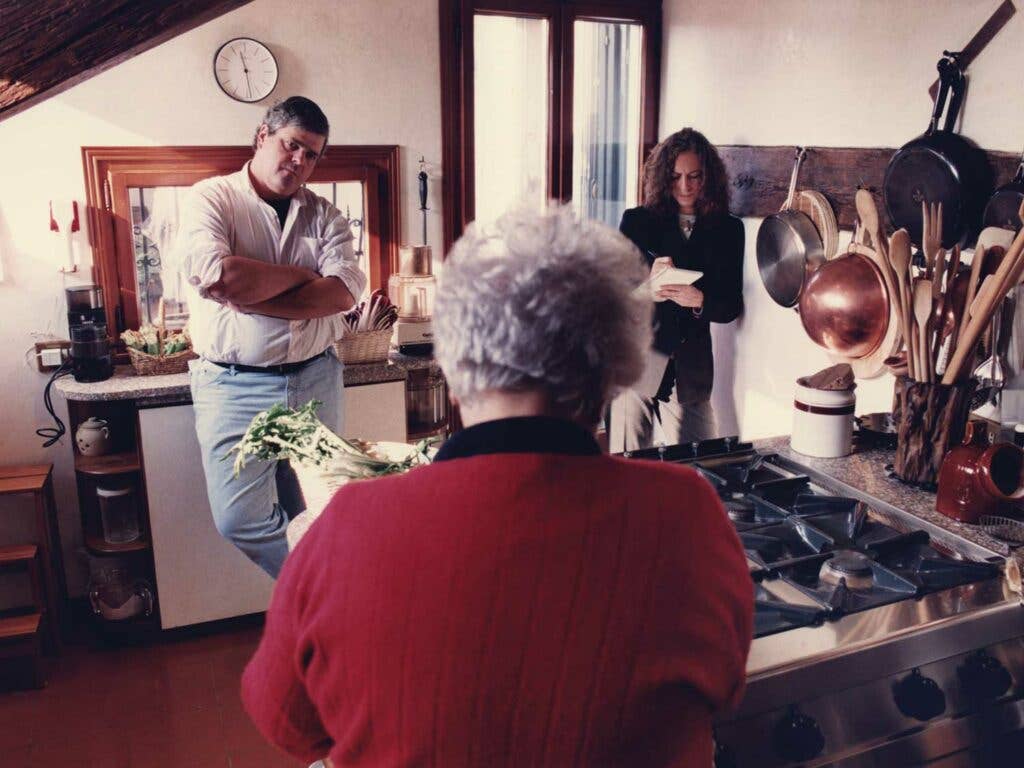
(524, 600)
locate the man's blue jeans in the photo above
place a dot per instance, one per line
(253, 510)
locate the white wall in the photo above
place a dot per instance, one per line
(828, 73)
(373, 65)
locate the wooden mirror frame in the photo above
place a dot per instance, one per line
(111, 171)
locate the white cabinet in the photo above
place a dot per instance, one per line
(375, 411)
(199, 575)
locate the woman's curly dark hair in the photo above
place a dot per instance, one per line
(659, 172)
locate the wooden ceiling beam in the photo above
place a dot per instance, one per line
(48, 46)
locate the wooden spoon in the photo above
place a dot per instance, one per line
(972, 287)
(899, 259)
(923, 315)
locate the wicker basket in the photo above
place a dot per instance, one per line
(364, 347)
(154, 365)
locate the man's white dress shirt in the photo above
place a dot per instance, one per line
(224, 216)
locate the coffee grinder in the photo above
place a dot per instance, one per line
(87, 326)
(412, 288)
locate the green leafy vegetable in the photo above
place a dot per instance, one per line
(297, 434)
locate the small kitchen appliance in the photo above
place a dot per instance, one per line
(87, 327)
(411, 289)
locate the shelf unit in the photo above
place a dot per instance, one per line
(119, 468)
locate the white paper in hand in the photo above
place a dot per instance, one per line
(675, 276)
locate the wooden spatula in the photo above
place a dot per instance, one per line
(923, 318)
(899, 259)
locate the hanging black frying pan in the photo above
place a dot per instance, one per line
(1002, 207)
(940, 166)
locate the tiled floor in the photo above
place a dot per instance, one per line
(173, 703)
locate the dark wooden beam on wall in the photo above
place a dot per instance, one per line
(759, 176)
(48, 46)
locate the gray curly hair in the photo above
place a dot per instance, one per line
(543, 301)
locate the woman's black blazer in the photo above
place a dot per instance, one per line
(715, 247)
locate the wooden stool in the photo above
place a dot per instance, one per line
(37, 479)
(19, 629)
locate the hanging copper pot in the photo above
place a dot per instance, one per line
(845, 307)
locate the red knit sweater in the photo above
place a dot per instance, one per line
(508, 609)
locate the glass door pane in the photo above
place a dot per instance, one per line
(154, 220)
(510, 112)
(348, 197)
(606, 118)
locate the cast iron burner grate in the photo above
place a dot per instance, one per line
(926, 567)
(772, 545)
(840, 595)
(719, 446)
(772, 614)
(744, 510)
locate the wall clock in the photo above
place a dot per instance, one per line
(245, 69)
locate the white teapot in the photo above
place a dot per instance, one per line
(93, 437)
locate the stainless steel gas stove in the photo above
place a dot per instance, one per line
(880, 639)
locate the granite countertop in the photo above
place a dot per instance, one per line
(126, 385)
(865, 469)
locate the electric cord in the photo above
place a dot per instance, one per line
(53, 434)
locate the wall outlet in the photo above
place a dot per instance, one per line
(50, 355)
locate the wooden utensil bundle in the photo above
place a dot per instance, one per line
(1005, 278)
(929, 319)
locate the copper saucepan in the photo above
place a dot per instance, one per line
(845, 307)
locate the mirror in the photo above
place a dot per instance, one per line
(154, 225)
(134, 194)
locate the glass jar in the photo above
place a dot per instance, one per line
(426, 402)
(118, 515)
(413, 295)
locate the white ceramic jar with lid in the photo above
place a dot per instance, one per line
(823, 421)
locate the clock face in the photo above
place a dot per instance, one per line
(245, 69)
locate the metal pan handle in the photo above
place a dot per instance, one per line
(791, 196)
(951, 78)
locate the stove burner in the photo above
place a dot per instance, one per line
(739, 509)
(848, 564)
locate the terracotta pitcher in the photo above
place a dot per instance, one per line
(978, 479)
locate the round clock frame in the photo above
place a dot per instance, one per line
(239, 49)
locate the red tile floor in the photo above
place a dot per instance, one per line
(172, 702)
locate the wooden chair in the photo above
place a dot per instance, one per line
(45, 564)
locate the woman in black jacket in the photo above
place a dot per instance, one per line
(684, 222)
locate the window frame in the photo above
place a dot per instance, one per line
(111, 171)
(458, 145)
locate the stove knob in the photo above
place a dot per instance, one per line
(797, 737)
(724, 757)
(919, 697)
(983, 677)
